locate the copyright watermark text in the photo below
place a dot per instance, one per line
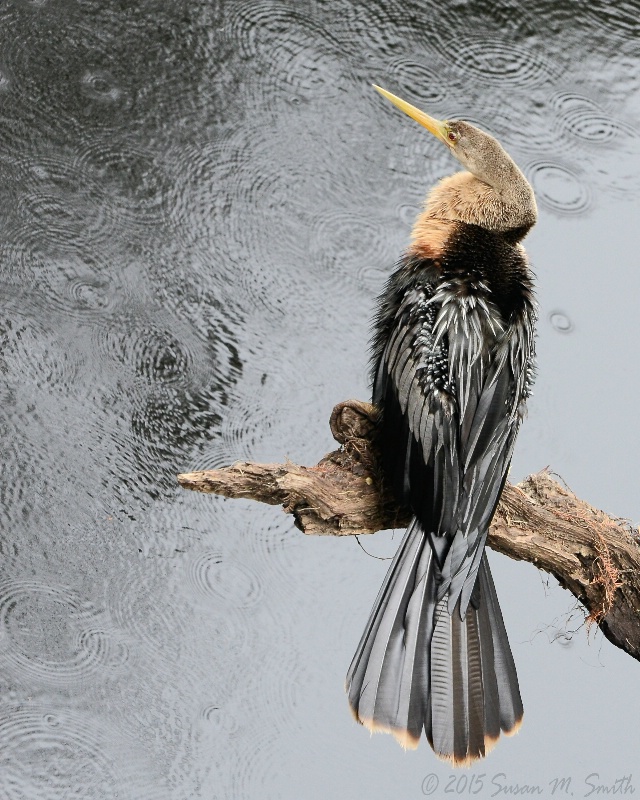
(501, 785)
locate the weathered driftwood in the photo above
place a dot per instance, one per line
(595, 556)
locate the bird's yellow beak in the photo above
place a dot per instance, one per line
(434, 126)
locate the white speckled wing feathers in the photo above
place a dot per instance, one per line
(434, 654)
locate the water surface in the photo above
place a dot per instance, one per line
(201, 202)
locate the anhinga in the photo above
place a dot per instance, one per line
(453, 362)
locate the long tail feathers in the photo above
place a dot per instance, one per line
(418, 667)
(388, 677)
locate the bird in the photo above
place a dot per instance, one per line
(453, 363)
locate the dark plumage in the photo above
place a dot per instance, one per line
(453, 355)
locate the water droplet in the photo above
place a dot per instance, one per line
(560, 322)
(100, 86)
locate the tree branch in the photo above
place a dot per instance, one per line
(593, 555)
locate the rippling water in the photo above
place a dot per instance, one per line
(200, 203)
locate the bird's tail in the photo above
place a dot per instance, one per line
(418, 667)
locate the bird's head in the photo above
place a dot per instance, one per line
(476, 150)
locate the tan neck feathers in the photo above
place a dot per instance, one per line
(430, 235)
(464, 198)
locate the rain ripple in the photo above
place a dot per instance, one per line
(377, 31)
(535, 136)
(234, 582)
(245, 423)
(350, 249)
(152, 353)
(559, 188)
(100, 85)
(78, 287)
(36, 618)
(224, 180)
(301, 56)
(60, 203)
(271, 695)
(278, 696)
(584, 119)
(620, 17)
(17, 499)
(219, 719)
(32, 353)
(138, 191)
(151, 624)
(417, 81)
(48, 755)
(498, 62)
(91, 293)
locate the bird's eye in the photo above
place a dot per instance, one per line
(452, 136)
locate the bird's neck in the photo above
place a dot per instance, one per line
(507, 205)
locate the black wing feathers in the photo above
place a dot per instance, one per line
(446, 388)
(452, 364)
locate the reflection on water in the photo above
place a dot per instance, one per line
(200, 203)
